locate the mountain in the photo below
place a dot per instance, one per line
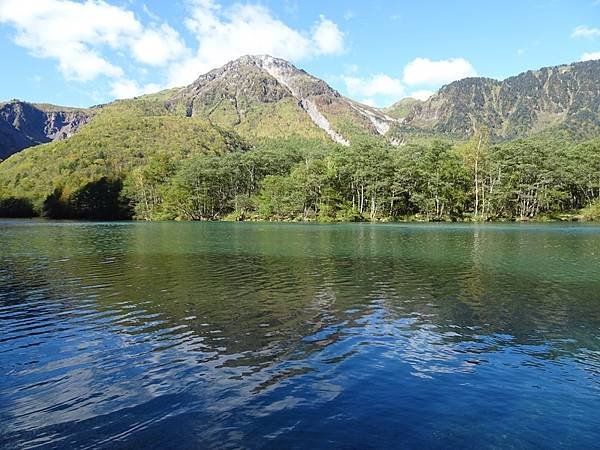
(246, 102)
(261, 97)
(266, 97)
(24, 124)
(564, 97)
(258, 97)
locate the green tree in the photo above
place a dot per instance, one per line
(205, 187)
(146, 186)
(584, 170)
(280, 197)
(15, 207)
(100, 200)
(432, 180)
(526, 178)
(364, 177)
(474, 154)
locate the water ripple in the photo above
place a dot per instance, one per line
(245, 336)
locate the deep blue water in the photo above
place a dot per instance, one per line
(223, 335)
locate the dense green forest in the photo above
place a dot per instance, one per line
(302, 180)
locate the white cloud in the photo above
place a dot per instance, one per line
(421, 95)
(66, 31)
(380, 89)
(157, 46)
(423, 71)
(583, 31)
(92, 38)
(376, 85)
(590, 56)
(75, 34)
(149, 13)
(128, 88)
(86, 37)
(78, 62)
(224, 34)
(328, 37)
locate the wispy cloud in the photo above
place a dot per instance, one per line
(128, 88)
(421, 77)
(590, 56)
(423, 71)
(380, 84)
(349, 14)
(584, 31)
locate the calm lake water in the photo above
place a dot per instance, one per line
(224, 335)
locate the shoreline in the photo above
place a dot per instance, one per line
(540, 220)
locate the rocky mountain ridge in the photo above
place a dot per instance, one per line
(566, 96)
(25, 124)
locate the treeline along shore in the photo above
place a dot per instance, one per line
(527, 179)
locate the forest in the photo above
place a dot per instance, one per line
(527, 179)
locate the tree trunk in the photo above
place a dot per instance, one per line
(477, 152)
(373, 207)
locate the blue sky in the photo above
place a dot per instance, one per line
(88, 52)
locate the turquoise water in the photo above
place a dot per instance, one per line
(229, 335)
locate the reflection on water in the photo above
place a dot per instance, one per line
(199, 335)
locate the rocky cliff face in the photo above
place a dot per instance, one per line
(24, 124)
(565, 96)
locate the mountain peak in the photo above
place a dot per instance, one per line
(238, 92)
(259, 61)
(262, 60)
(253, 67)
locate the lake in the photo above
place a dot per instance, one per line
(260, 335)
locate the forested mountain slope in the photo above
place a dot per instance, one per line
(564, 97)
(120, 138)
